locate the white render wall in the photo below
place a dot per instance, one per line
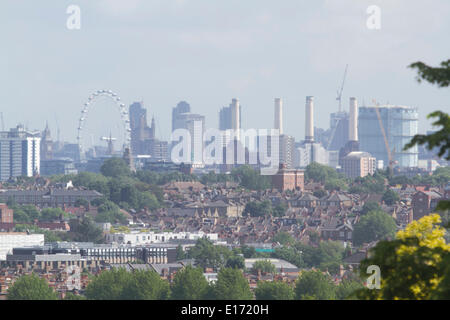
(10, 240)
(141, 238)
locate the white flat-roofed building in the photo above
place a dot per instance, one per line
(141, 238)
(10, 240)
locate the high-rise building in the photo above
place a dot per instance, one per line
(46, 144)
(338, 132)
(287, 150)
(278, 118)
(140, 131)
(19, 153)
(157, 149)
(358, 164)
(309, 153)
(195, 124)
(225, 118)
(236, 116)
(182, 107)
(309, 119)
(400, 124)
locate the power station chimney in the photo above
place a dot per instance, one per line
(353, 120)
(235, 112)
(279, 115)
(309, 119)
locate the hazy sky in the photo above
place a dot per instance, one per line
(209, 51)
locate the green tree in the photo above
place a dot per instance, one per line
(435, 75)
(314, 284)
(82, 203)
(276, 290)
(249, 178)
(347, 288)
(279, 210)
(115, 167)
(52, 214)
(145, 285)
(232, 285)
(236, 261)
(319, 193)
(283, 238)
(330, 256)
(327, 255)
(248, 252)
(390, 197)
(414, 266)
(85, 231)
(71, 296)
(441, 138)
(375, 225)
(147, 200)
(208, 255)
(291, 255)
(264, 266)
(370, 206)
(109, 285)
(110, 212)
(190, 284)
(336, 185)
(258, 208)
(180, 253)
(31, 287)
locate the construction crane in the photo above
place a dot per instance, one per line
(339, 92)
(390, 153)
(338, 98)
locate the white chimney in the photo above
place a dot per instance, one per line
(353, 120)
(309, 119)
(278, 115)
(235, 116)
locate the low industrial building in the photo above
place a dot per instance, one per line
(10, 240)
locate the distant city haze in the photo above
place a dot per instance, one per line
(205, 52)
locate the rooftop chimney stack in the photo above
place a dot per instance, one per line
(235, 117)
(309, 119)
(279, 115)
(353, 120)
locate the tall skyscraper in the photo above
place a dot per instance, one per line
(140, 131)
(182, 107)
(19, 153)
(400, 124)
(309, 119)
(287, 150)
(227, 118)
(46, 144)
(278, 118)
(338, 132)
(195, 124)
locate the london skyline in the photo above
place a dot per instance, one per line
(166, 52)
